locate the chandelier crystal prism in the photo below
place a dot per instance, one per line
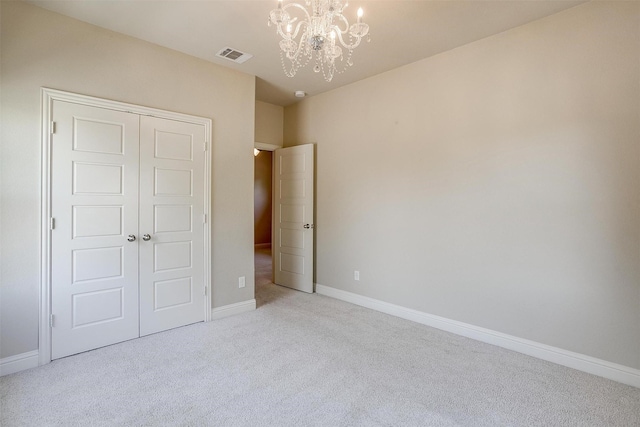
(320, 34)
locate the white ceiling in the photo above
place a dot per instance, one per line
(401, 32)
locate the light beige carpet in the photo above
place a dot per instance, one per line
(309, 360)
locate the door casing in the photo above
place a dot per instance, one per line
(48, 96)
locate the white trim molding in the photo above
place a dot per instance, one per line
(233, 309)
(581, 362)
(19, 362)
(266, 147)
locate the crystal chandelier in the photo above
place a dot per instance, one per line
(318, 34)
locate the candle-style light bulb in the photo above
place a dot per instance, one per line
(279, 4)
(360, 13)
(289, 28)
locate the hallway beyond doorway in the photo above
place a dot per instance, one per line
(265, 288)
(264, 270)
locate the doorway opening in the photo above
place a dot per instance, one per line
(262, 210)
(292, 211)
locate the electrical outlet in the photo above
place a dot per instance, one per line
(356, 275)
(241, 282)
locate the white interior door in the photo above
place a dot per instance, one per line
(94, 268)
(172, 285)
(293, 230)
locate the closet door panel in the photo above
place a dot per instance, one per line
(171, 219)
(94, 203)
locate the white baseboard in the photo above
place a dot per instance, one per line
(19, 362)
(581, 362)
(262, 245)
(233, 309)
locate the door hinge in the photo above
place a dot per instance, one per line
(52, 223)
(51, 321)
(205, 291)
(53, 127)
(204, 218)
(205, 146)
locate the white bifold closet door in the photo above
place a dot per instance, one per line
(127, 241)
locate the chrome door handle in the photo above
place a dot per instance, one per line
(309, 226)
(146, 237)
(131, 238)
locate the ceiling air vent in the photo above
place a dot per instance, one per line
(234, 55)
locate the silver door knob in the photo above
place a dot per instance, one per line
(131, 238)
(308, 226)
(146, 237)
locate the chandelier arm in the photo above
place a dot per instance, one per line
(294, 56)
(344, 6)
(297, 30)
(280, 32)
(299, 50)
(299, 6)
(280, 28)
(294, 34)
(344, 21)
(346, 45)
(339, 35)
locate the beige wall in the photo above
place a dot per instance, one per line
(41, 48)
(268, 130)
(269, 123)
(262, 202)
(497, 184)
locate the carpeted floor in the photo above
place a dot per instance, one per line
(309, 360)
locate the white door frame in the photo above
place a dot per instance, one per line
(48, 96)
(263, 146)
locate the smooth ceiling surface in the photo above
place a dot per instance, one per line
(401, 32)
